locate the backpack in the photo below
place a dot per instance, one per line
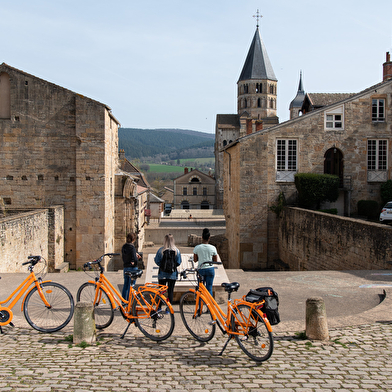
(168, 262)
(270, 306)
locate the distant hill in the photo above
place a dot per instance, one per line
(175, 143)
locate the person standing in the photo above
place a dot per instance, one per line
(168, 258)
(130, 258)
(202, 253)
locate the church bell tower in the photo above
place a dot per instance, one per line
(257, 85)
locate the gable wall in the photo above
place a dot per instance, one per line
(256, 184)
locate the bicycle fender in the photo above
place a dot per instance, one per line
(111, 299)
(31, 288)
(267, 323)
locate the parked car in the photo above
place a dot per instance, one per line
(386, 213)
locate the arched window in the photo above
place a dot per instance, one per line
(185, 205)
(224, 143)
(5, 96)
(258, 102)
(205, 205)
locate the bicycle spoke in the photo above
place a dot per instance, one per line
(255, 339)
(196, 317)
(54, 317)
(153, 317)
(103, 310)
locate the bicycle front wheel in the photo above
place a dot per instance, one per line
(153, 317)
(197, 317)
(103, 309)
(52, 318)
(255, 340)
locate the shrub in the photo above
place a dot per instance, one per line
(313, 189)
(368, 208)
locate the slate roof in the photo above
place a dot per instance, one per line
(318, 100)
(228, 121)
(257, 64)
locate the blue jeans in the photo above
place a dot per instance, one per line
(128, 282)
(208, 275)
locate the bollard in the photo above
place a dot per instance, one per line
(84, 323)
(316, 319)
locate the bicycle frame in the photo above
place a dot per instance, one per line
(225, 319)
(116, 298)
(23, 288)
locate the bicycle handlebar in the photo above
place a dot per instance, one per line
(192, 270)
(98, 261)
(33, 260)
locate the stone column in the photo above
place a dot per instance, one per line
(84, 323)
(316, 319)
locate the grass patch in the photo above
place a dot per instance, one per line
(301, 335)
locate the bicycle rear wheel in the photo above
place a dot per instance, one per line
(103, 309)
(196, 317)
(53, 318)
(255, 341)
(153, 317)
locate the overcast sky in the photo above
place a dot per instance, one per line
(176, 63)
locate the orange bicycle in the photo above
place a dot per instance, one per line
(47, 306)
(200, 314)
(147, 307)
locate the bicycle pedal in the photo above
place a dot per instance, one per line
(12, 325)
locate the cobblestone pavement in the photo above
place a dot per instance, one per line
(356, 358)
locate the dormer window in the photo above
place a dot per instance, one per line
(334, 119)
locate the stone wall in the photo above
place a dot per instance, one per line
(310, 240)
(38, 232)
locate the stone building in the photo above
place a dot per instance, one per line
(351, 137)
(194, 190)
(58, 147)
(132, 212)
(256, 105)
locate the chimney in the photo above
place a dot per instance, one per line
(387, 68)
(185, 170)
(121, 155)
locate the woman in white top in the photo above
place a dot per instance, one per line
(202, 253)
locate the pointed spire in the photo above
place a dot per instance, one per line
(257, 64)
(300, 86)
(299, 98)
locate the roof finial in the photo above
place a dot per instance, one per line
(257, 16)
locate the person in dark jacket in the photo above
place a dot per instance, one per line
(130, 258)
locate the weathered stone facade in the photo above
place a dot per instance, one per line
(38, 232)
(310, 240)
(257, 168)
(58, 147)
(194, 190)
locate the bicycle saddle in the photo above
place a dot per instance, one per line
(230, 287)
(134, 274)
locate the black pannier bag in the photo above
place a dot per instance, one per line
(270, 306)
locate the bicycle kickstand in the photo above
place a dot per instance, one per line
(227, 342)
(126, 330)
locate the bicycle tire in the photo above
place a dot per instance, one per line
(51, 319)
(256, 341)
(201, 326)
(103, 309)
(153, 318)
